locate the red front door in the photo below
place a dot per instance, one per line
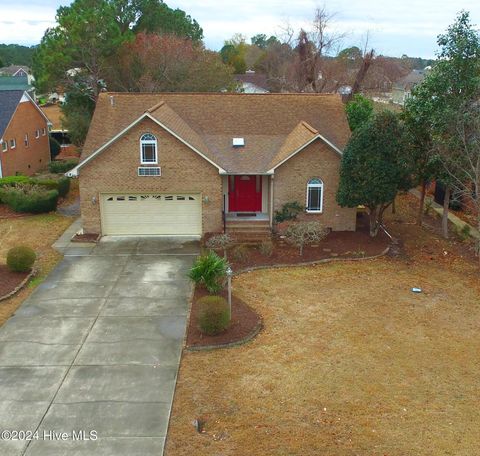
(245, 193)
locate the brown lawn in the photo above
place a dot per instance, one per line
(350, 362)
(38, 232)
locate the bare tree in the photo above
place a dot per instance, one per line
(462, 163)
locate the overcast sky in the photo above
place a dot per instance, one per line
(395, 27)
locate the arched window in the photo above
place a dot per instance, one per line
(315, 195)
(148, 149)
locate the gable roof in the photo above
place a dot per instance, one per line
(9, 100)
(12, 70)
(273, 125)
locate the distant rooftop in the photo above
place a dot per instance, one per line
(9, 100)
(411, 79)
(12, 70)
(251, 77)
(14, 83)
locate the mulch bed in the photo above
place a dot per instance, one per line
(7, 213)
(86, 237)
(245, 323)
(9, 281)
(338, 244)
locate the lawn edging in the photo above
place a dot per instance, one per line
(236, 343)
(256, 330)
(309, 263)
(22, 284)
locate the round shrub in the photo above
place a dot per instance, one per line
(213, 315)
(20, 259)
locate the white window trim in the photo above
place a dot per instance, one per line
(14, 142)
(44, 131)
(4, 146)
(37, 134)
(154, 142)
(309, 186)
(26, 140)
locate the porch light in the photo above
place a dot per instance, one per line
(238, 142)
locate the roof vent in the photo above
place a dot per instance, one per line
(238, 142)
(112, 101)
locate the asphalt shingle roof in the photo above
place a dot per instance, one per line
(273, 125)
(9, 100)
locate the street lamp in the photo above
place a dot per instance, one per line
(229, 286)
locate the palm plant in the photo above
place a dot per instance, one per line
(210, 271)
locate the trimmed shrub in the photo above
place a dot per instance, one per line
(20, 259)
(289, 211)
(62, 185)
(29, 198)
(213, 315)
(12, 180)
(62, 166)
(209, 270)
(266, 248)
(241, 253)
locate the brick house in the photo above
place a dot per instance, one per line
(191, 164)
(24, 141)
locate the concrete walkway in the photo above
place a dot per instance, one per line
(97, 348)
(457, 222)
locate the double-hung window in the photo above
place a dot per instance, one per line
(315, 195)
(148, 149)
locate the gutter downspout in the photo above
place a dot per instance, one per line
(271, 201)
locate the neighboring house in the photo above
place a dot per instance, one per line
(176, 163)
(24, 142)
(15, 83)
(18, 71)
(402, 88)
(57, 131)
(252, 82)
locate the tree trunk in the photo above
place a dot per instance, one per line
(446, 202)
(361, 73)
(373, 222)
(422, 203)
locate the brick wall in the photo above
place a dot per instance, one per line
(183, 171)
(291, 178)
(26, 159)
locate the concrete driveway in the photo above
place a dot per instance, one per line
(97, 348)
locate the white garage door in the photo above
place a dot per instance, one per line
(153, 213)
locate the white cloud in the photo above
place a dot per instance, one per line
(395, 26)
(25, 24)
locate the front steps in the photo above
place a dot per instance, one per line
(249, 231)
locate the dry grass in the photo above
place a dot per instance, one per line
(351, 362)
(38, 232)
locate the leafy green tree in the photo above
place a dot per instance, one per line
(16, 54)
(374, 167)
(359, 111)
(351, 53)
(86, 37)
(262, 41)
(234, 55)
(443, 104)
(78, 110)
(157, 17)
